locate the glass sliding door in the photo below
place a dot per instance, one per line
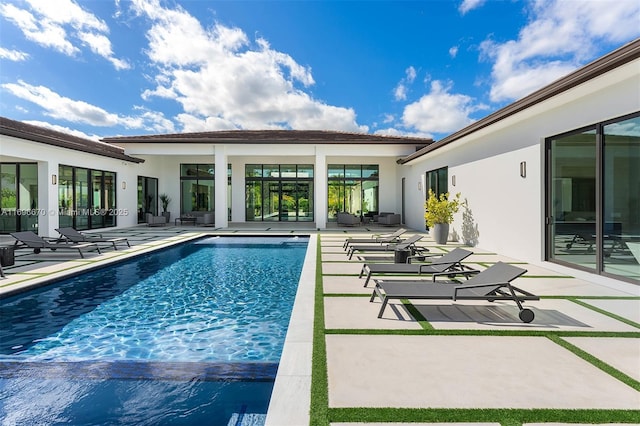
(573, 198)
(98, 209)
(304, 201)
(279, 192)
(352, 188)
(592, 198)
(82, 199)
(65, 196)
(147, 197)
(621, 185)
(19, 189)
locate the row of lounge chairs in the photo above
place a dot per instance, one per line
(70, 239)
(491, 284)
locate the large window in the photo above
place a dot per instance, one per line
(86, 198)
(353, 188)
(437, 181)
(592, 198)
(197, 187)
(279, 192)
(19, 197)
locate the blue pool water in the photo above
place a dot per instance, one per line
(188, 335)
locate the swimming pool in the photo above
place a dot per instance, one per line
(205, 319)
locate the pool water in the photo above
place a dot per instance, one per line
(187, 334)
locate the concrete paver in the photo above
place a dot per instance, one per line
(466, 372)
(620, 353)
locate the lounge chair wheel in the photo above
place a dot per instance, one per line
(36, 250)
(526, 315)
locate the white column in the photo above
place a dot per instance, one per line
(48, 219)
(222, 208)
(320, 188)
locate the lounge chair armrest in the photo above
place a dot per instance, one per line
(463, 287)
(422, 257)
(466, 271)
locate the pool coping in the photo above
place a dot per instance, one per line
(291, 396)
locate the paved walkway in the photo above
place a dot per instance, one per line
(582, 351)
(438, 361)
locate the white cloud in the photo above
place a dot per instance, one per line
(13, 55)
(63, 129)
(453, 51)
(560, 37)
(223, 80)
(468, 5)
(63, 108)
(59, 25)
(401, 90)
(440, 111)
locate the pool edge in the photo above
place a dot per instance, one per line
(291, 397)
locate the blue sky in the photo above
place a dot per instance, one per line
(418, 68)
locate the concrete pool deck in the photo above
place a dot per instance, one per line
(466, 355)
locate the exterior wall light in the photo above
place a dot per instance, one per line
(453, 180)
(419, 185)
(54, 179)
(124, 185)
(523, 169)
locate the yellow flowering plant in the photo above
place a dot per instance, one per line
(440, 209)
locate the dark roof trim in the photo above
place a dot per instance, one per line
(613, 60)
(272, 137)
(33, 133)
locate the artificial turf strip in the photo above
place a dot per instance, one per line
(603, 312)
(597, 363)
(318, 415)
(504, 416)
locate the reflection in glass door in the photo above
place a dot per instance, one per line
(275, 193)
(621, 182)
(304, 201)
(572, 199)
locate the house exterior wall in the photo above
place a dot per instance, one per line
(49, 158)
(162, 161)
(509, 209)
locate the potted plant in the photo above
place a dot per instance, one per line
(165, 200)
(439, 211)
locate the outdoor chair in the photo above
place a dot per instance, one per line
(71, 234)
(348, 219)
(387, 238)
(37, 243)
(408, 244)
(447, 264)
(494, 283)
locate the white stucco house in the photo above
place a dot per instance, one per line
(552, 178)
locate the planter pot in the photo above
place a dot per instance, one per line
(440, 233)
(167, 216)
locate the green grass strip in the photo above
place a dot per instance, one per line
(504, 416)
(607, 313)
(318, 414)
(415, 313)
(597, 362)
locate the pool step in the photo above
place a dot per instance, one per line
(247, 419)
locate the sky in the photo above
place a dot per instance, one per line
(103, 68)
